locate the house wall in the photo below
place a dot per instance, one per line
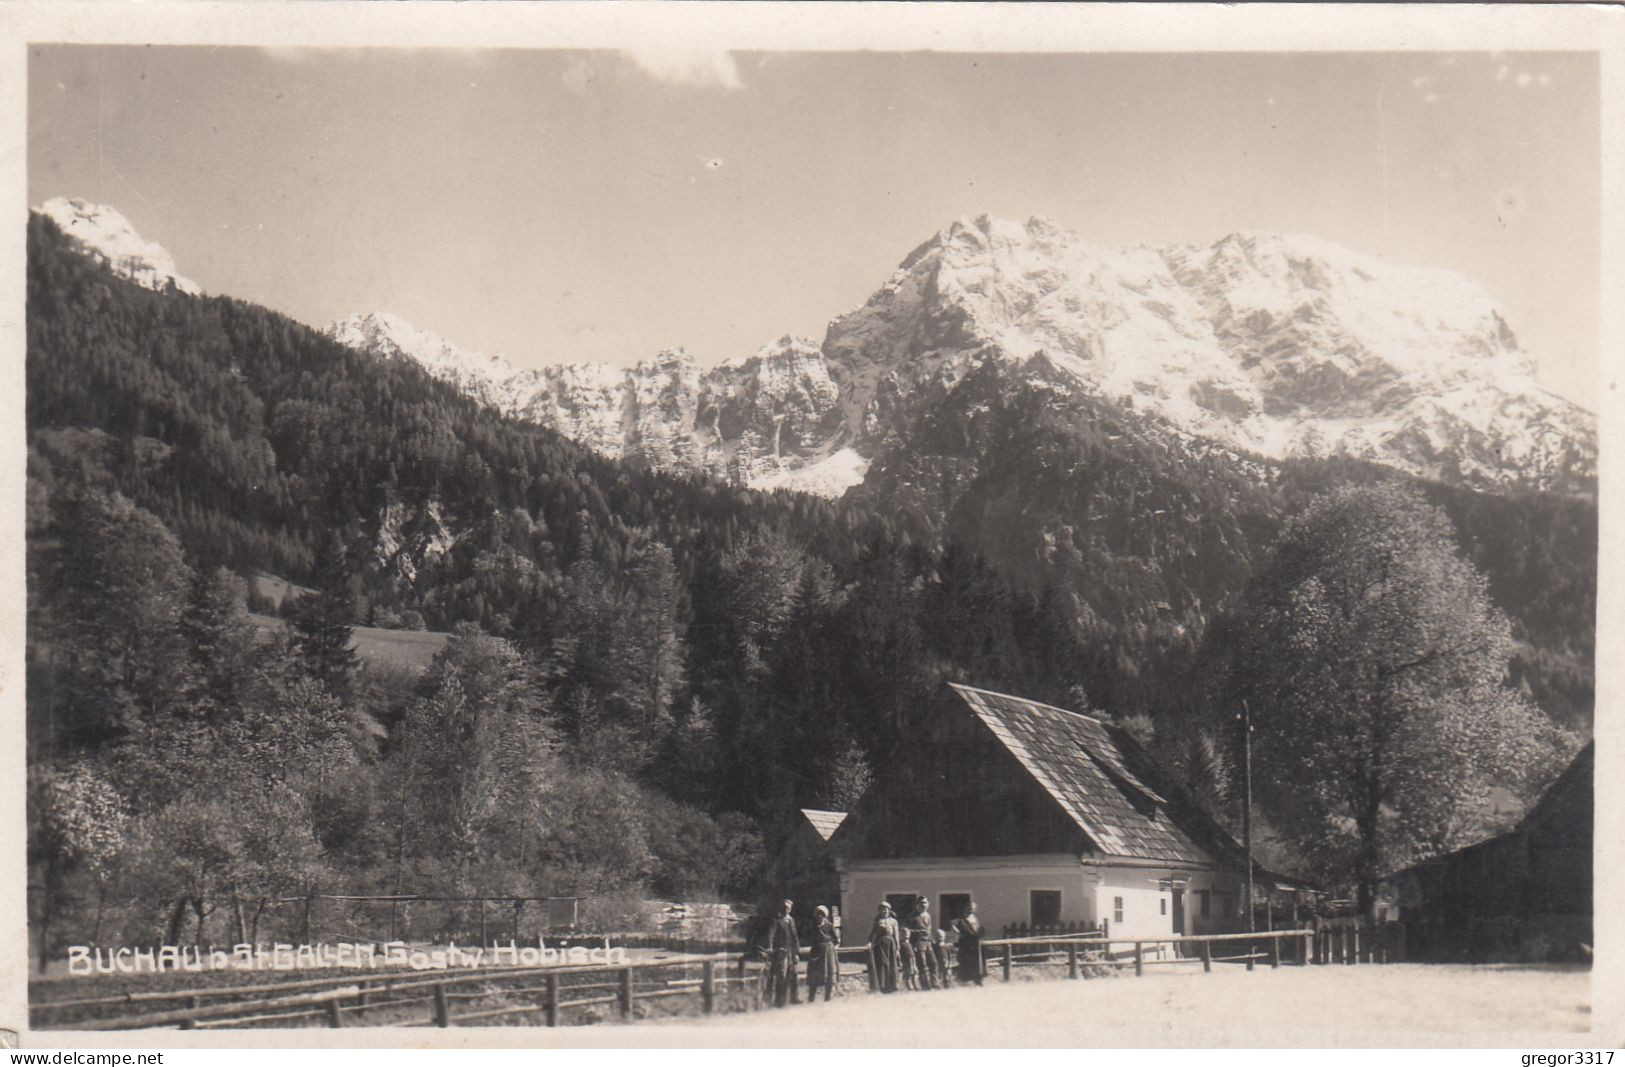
(998, 885)
(1001, 888)
(1149, 901)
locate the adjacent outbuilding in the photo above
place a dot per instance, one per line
(1524, 895)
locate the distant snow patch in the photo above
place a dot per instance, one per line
(829, 477)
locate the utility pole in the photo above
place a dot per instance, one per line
(1247, 803)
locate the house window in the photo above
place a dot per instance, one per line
(1164, 902)
(1117, 909)
(951, 906)
(1045, 906)
(1203, 896)
(902, 904)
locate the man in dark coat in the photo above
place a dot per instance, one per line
(823, 967)
(783, 954)
(969, 929)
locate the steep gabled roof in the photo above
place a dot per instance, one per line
(1101, 779)
(1569, 798)
(824, 822)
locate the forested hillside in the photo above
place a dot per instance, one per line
(648, 672)
(1145, 533)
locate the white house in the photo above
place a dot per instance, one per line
(1041, 816)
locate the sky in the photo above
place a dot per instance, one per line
(558, 206)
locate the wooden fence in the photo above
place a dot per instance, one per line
(1343, 944)
(551, 995)
(544, 994)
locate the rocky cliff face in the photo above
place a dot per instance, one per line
(757, 420)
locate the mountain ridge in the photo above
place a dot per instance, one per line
(1272, 345)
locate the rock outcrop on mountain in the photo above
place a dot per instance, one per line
(770, 419)
(106, 236)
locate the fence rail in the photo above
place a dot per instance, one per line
(455, 999)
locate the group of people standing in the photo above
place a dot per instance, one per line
(784, 954)
(910, 953)
(913, 953)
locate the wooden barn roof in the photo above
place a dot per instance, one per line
(1100, 778)
(825, 822)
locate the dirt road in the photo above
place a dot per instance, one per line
(1399, 1005)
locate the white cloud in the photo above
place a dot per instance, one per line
(1501, 72)
(1544, 79)
(1524, 79)
(678, 66)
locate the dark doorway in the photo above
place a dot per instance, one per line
(1179, 911)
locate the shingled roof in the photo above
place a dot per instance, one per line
(1101, 779)
(824, 822)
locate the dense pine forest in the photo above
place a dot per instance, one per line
(648, 673)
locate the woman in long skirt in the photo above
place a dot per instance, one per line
(970, 945)
(883, 940)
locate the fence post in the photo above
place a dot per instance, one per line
(334, 1020)
(869, 961)
(1139, 959)
(1007, 962)
(1275, 952)
(626, 992)
(1072, 959)
(1401, 952)
(442, 1013)
(361, 1002)
(1207, 957)
(1252, 950)
(552, 1000)
(708, 986)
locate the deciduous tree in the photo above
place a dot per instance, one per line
(1374, 666)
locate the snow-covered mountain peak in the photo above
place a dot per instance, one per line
(105, 235)
(388, 336)
(1269, 343)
